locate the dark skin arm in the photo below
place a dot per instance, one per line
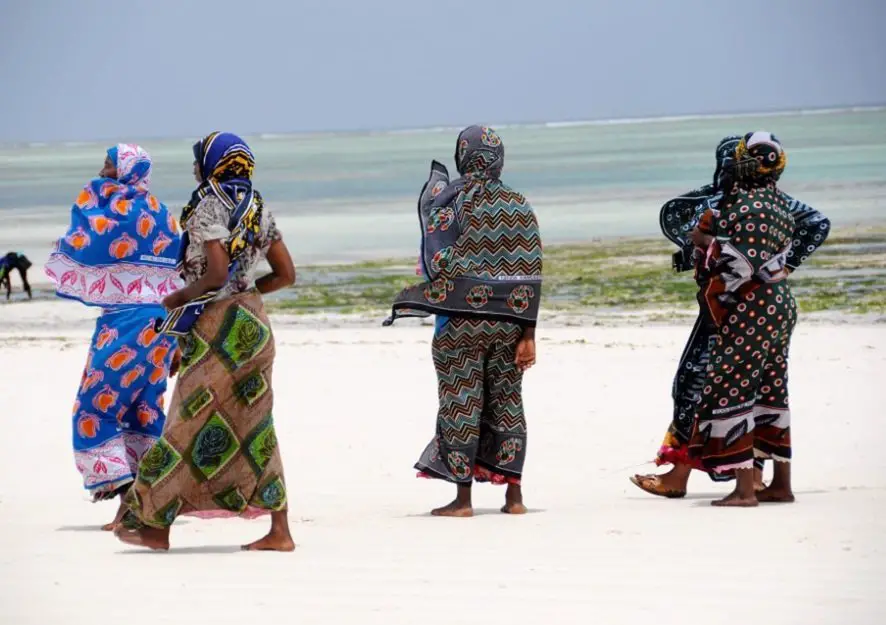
(282, 269)
(215, 277)
(282, 275)
(700, 239)
(525, 355)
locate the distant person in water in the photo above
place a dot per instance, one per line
(14, 260)
(481, 258)
(678, 219)
(119, 254)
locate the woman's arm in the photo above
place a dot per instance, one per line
(811, 230)
(282, 269)
(215, 277)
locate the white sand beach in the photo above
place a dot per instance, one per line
(355, 407)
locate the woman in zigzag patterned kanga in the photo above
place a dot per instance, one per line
(218, 455)
(481, 257)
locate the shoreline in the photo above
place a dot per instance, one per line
(602, 281)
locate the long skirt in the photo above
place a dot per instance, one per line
(481, 427)
(686, 393)
(744, 412)
(118, 413)
(218, 455)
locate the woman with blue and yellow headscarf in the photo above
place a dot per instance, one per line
(119, 254)
(218, 455)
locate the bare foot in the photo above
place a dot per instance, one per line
(734, 500)
(776, 495)
(513, 507)
(155, 539)
(454, 509)
(514, 500)
(110, 527)
(759, 484)
(659, 485)
(272, 542)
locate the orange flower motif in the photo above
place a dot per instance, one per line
(101, 224)
(105, 399)
(145, 225)
(157, 356)
(123, 247)
(108, 189)
(105, 337)
(147, 336)
(146, 415)
(121, 358)
(121, 205)
(88, 425)
(86, 198)
(157, 375)
(160, 244)
(91, 379)
(78, 239)
(132, 375)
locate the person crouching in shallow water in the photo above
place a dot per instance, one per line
(218, 455)
(481, 256)
(744, 411)
(119, 254)
(20, 262)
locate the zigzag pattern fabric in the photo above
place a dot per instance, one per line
(481, 426)
(481, 249)
(499, 235)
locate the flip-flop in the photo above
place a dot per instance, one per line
(652, 485)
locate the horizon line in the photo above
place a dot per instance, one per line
(432, 129)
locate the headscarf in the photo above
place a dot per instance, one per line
(724, 156)
(226, 164)
(759, 159)
(133, 164)
(481, 252)
(479, 153)
(122, 245)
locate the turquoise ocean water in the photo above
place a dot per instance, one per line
(341, 197)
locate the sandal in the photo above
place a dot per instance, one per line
(652, 485)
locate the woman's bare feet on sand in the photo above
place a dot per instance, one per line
(460, 507)
(454, 509)
(121, 510)
(514, 500)
(148, 537)
(743, 496)
(278, 539)
(780, 490)
(272, 542)
(773, 495)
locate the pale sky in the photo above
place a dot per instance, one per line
(89, 69)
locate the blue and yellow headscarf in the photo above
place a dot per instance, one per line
(226, 164)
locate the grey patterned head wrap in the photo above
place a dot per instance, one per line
(479, 153)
